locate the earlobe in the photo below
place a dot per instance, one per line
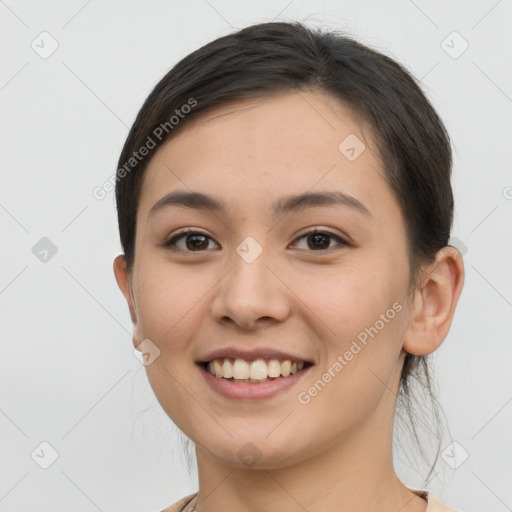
(123, 281)
(434, 303)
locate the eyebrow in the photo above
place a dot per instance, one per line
(199, 201)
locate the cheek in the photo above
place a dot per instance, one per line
(345, 298)
(359, 324)
(169, 300)
(170, 311)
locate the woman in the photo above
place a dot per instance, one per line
(284, 206)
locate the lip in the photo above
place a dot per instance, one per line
(251, 391)
(250, 355)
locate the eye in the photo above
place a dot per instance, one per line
(320, 240)
(194, 241)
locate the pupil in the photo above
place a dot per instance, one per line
(197, 244)
(317, 238)
(200, 242)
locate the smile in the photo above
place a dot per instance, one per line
(253, 371)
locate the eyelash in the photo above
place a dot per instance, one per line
(171, 243)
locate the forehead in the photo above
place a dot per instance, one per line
(252, 151)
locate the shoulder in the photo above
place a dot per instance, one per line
(179, 505)
(436, 505)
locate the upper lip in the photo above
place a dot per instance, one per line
(250, 355)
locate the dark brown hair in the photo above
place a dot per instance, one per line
(279, 57)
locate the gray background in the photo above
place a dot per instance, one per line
(68, 373)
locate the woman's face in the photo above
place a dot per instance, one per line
(253, 282)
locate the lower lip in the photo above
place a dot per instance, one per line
(251, 391)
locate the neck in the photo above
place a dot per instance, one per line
(353, 474)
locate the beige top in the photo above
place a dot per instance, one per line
(187, 503)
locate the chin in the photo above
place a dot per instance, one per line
(256, 452)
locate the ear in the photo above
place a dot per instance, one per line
(124, 282)
(434, 302)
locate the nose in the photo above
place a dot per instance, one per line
(252, 294)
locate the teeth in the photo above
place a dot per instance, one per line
(240, 369)
(217, 368)
(227, 369)
(257, 370)
(274, 368)
(286, 367)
